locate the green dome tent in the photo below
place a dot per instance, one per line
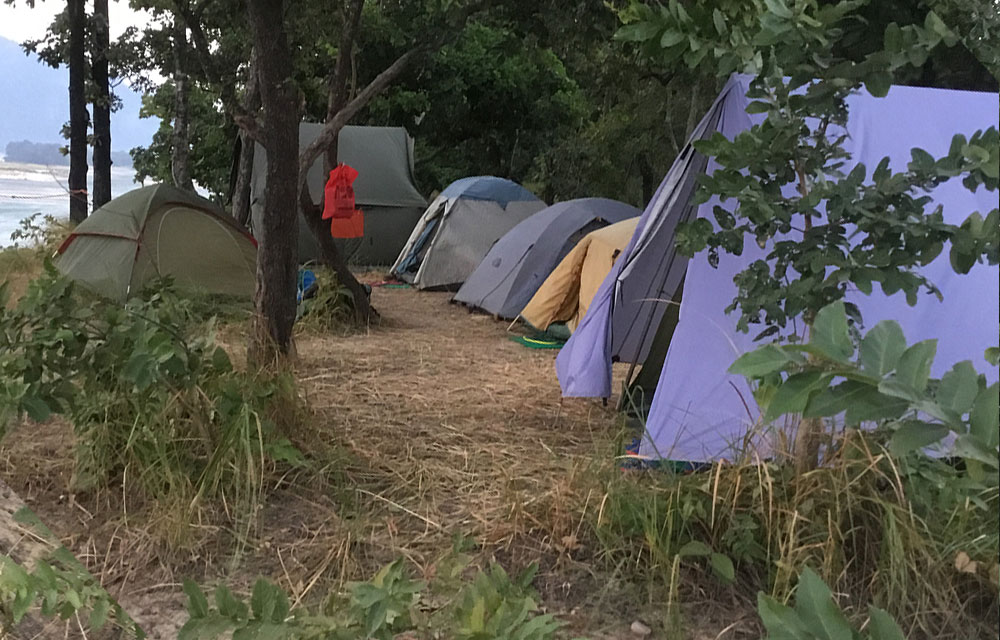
(160, 231)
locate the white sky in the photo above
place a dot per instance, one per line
(20, 23)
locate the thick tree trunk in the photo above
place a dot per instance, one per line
(277, 257)
(102, 106)
(78, 118)
(180, 164)
(241, 191)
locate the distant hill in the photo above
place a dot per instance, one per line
(34, 103)
(50, 153)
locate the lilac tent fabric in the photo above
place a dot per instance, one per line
(627, 309)
(701, 413)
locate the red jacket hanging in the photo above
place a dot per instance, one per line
(338, 204)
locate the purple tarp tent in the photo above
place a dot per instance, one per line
(699, 411)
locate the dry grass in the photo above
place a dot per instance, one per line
(434, 425)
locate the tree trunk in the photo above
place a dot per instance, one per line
(78, 118)
(180, 164)
(694, 111)
(337, 100)
(649, 182)
(102, 106)
(241, 191)
(277, 256)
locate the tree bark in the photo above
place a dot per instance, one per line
(241, 191)
(102, 106)
(180, 163)
(277, 255)
(78, 118)
(313, 213)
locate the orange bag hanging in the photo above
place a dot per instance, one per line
(338, 204)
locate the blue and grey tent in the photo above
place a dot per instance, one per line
(519, 262)
(455, 232)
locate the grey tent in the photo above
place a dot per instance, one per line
(519, 262)
(384, 190)
(459, 227)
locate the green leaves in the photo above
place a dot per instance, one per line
(914, 368)
(830, 334)
(816, 616)
(764, 361)
(818, 611)
(888, 382)
(720, 563)
(958, 388)
(794, 394)
(881, 348)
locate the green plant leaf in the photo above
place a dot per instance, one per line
(723, 567)
(958, 387)
(794, 393)
(197, 602)
(984, 420)
(228, 605)
(882, 347)
(763, 361)
(915, 434)
(881, 626)
(99, 613)
(694, 548)
(879, 83)
(781, 621)
(914, 368)
(830, 333)
(973, 448)
(36, 408)
(859, 401)
(815, 606)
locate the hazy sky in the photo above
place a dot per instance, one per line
(21, 23)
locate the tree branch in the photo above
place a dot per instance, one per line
(335, 124)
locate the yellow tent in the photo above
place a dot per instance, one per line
(569, 289)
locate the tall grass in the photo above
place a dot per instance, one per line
(880, 530)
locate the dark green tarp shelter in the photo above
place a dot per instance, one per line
(384, 191)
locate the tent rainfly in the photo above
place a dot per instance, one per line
(384, 190)
(566, 293)
(699, 411)
(521, 260)
(160, 231)
(459, 227)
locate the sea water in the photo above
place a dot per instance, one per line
(26, 189)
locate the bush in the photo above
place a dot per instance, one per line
(154, 401)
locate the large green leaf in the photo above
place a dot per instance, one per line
(859, 401)
(794, 393)
(984, 420)
(694, 548)
(815, 606)
(723, 567)
(829, 333)
(763, 361)
(914, 368)
(36, 408)
(781, 621)
(915, 434)
(958, 387)
(882, 347)
(881, 626)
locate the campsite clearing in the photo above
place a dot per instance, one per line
(448, 430)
